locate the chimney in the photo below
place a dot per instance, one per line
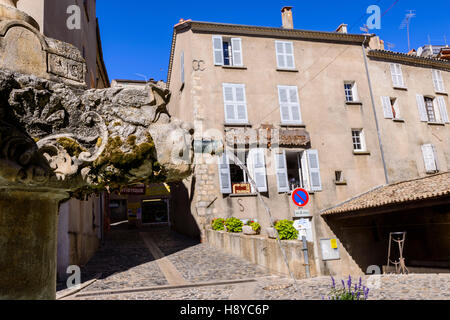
(342, 28)
(286, 17)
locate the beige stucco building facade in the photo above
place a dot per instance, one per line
(310, 89)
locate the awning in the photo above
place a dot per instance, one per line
(394, 197)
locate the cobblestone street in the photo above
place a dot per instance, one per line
(156, 264)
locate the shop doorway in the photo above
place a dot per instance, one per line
(155, 211)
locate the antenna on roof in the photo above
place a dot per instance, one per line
(142, 76)
(389, 45)
(406, 22)
(445, 41)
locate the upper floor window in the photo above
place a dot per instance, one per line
(438, 81)
(230, 172)
(432, 110)
(397, 75)
(235, 103)
(351, 92)
(391, 108)
(289, 105)
(227, 51)
(298, 169)
(430, 158)
(359, 141)
(285, 54)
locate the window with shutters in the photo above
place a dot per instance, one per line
(235, 103)
(227, 51)
(233, 174)
(397, 75)
(391, 108)
(351, 92)
(289, 105)
(432, 109)
(430, 158)
(359, 142)
(298, 170)
(285, 55)
(438, 82)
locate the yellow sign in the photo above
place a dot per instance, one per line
(333, 244)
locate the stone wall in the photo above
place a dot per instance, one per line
(264, 251)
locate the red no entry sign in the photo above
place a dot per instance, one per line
(300, 197)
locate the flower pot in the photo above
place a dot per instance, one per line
(248, 230)
(271, 233)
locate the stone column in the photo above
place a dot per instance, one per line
(28, 234)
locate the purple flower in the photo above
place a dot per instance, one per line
(349, 283)
(343, 283)
(360, 283)
(357, 295)
(333, 283)
(366, 293)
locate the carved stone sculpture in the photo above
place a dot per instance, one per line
(58, 139)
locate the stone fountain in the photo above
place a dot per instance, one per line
(59, 140)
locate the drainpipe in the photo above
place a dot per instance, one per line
(374, 111)
(305, 256)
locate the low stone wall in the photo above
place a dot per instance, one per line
(264, 251)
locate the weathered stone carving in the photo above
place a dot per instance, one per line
(58, 139)
(56, 136)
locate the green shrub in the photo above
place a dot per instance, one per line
(218, 224)
(256, 227)
(234, 225)
(286, 230)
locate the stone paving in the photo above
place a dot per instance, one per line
(126, 263)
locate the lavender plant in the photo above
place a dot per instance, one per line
(348, 291)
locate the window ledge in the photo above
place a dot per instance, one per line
(353, 103)
(293, 125)
(398, 120)
(400, 88)
(442, 92)
(287, 70)
(235, 67)
(361, 153)
(237, 125)
(237, 195)
(436, 124)
(340, 183)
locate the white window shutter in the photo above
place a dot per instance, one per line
(393, 74)
(421, 106)
(258, 165)
(281, 168)
(397, 75)
(281, 60)
(218, 50)
(387, 108)
(236, 47)
(314, 170)
(443, 109)
(295, 105)
(284, 104)
(182, 66)
(429, 157)
(438, 81)
(305, 171)
(235, 103)
(224, 174)
(289, 51)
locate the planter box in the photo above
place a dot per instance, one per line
(259, 249)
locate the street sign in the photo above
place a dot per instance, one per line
(300, 197)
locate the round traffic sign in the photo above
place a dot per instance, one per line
(300, 197)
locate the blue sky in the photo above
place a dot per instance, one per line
(136, 35)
